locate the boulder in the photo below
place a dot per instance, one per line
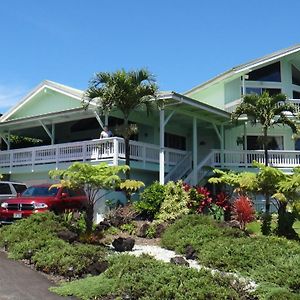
(97, 267)
(103, 225)
(190, 252)
(142, 229)
(179, 260)
(160, 229)
(123, 244)
(67, 236)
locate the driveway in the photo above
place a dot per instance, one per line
(18, 282)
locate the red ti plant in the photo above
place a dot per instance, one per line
(243, 211)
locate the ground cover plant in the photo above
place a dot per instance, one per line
(272, 262)
(36, 239)
(144, 278)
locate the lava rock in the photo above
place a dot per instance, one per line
(142, 230)
(179, 260)
(123, 244)
(97, 268)
(160, 229)
(103, 225)
(190, 252)
(67, 236)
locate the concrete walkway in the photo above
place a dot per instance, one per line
(18, 282)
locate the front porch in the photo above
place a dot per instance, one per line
(112, 150)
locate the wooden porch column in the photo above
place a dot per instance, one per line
(162, 146)
(195, 152)
(53, 134)
(222, 145)
(245, 144)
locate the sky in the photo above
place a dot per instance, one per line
(183, 43)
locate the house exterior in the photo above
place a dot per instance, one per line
(178, 140)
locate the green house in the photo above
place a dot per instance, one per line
(192, 130)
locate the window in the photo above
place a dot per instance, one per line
(20, 188)
(254, 142)
(295, 76)
(5, 189)
(259, 91)
(40, 191)
(268, 73)
(296, 95)
(175, 141)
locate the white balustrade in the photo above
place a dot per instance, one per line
(94, 150)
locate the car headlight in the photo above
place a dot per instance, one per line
(4, 204)
(40, 205)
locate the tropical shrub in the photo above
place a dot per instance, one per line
(150, 200)
(243, 211)
(175, 203)
(145, 278)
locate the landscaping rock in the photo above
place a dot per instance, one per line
(123, 244)
(160, 229)
(67, 236)
(142, 229)
(103, 225)
(97, 268)
(190, 252)
(179, 260)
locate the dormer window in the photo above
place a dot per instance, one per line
(269, 73)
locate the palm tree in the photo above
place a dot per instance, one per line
(125, 92)
(267, 111)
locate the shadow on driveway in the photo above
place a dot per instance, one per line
(18, 282)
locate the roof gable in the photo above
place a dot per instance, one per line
(48, 97)
(245, 68)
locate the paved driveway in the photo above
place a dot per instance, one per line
(18, 282)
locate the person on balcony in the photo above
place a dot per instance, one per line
(105, 133)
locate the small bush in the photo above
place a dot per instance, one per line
(59, 257)
(150, 200)
(145, 278)
(175, 203)
(243, 211)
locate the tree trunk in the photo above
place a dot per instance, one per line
(268, 204)
(89, 218)
(265, 144)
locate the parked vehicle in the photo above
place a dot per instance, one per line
(41, 198)
(9, 189)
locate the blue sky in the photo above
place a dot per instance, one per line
(182, 42)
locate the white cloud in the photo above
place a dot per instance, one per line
(10, 95)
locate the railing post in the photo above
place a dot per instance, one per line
(32, 160)
(84, 151)
(11, 160)
(116, 152)
(144, 156)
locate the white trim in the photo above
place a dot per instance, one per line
(44, 85)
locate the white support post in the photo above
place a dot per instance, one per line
(53, 134)
(243, 86)
(5, 140)
(116, 152)
(99, 120)
(195, 152)
(162, 146)
(47, 130)
(8, 140)
(222, 145)
(245, 144)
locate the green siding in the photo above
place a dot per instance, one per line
(46, 102)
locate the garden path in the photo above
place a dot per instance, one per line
(165, 255)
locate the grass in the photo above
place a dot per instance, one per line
(271, 261)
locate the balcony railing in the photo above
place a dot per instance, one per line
(110, 149)
(277, 158)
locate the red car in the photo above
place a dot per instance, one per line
(40, 198)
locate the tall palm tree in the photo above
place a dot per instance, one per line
(125, 92)
(267, 111)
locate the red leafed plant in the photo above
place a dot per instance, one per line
(242, 211)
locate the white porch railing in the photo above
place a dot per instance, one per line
(111, 149)
(277, 158)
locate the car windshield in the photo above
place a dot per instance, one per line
(42, 191)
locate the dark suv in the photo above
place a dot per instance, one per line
(41, 198)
